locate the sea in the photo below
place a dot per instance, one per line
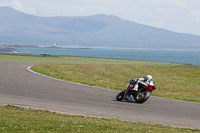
(168, 56)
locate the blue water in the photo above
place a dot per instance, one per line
(178, 56)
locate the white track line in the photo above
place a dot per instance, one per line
(29, 69)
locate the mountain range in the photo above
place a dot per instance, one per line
(89, 31)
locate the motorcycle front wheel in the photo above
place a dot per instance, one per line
(142, 96)
(120, 96)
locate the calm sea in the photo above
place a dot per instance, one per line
(178, 56)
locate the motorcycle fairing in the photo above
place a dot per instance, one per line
(150, 88)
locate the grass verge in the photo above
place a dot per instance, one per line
(16, 119)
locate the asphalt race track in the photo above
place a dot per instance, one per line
(20, 87)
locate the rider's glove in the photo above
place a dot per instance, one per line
(134, 81)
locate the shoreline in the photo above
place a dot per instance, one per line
(86, 47)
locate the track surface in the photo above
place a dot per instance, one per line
(20, 87)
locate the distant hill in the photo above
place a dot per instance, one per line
(91, 31)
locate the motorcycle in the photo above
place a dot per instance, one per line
(140, 96)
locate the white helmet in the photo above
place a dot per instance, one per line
(149, 77)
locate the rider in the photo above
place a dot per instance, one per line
(134, 84)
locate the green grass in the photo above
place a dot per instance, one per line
(16, 119)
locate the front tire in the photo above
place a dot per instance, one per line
(142, 96)
(120, 96)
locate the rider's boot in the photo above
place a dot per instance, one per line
(127, 97)
(131, 98)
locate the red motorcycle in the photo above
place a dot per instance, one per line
(140, 96)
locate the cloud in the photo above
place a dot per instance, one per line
(17, 5)
(196, 14)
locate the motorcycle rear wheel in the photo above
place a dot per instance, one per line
(142, 96)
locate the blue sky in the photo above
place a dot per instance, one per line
(176, 15)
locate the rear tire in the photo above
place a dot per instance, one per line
(120, 96)
(142, 96)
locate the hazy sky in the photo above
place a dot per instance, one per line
(175, 15)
